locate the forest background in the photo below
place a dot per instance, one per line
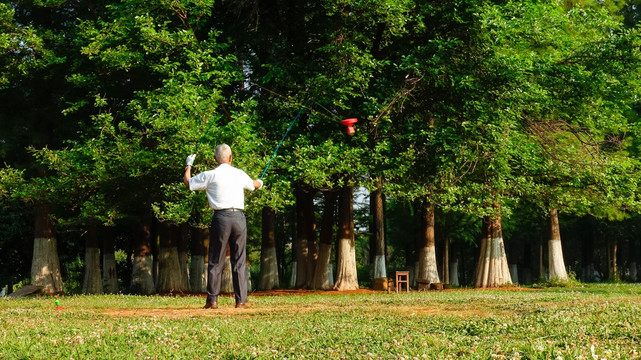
(486, 129)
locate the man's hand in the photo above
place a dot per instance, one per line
(258, 184)
(189, 163)
(190, 159)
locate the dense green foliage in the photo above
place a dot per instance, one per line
(599, 321)
(465, 104)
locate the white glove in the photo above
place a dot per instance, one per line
(190, 159)
(261, 183)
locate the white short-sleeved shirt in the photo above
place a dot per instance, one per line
(224, 186)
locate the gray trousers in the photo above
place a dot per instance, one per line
(227, 227)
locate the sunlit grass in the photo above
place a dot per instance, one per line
(590, 322)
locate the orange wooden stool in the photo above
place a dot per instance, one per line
(402, 277)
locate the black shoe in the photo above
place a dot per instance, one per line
(211, 305)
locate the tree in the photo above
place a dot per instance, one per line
(142, 280)
(109, 270)
(170, 280)
(471, 107)
(573, 135)
(492, 268)
(505, 75)
(36, 63)
(92, 281)
(305, 237)
(268, 264)
(198, 270)
(16, 229)
(346, 276)
(178, 76)
(427, 268)
(45, 265)
(323, 279)
(377, 237)
(333, 60)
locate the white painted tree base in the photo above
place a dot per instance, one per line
(330, 274)
(323, 277)
(92, 279)
(427, 267)
(379, 275)
(109, 274)
(170, 274)
(633, 272)
(492, 270)
(198, 274)
(226, 284)
(380, 272)
(556, 263)
(292, 278)
(454, 273)
(346, 275)
(45, 266)
(268, 270)
(142, 280)
(183, 260)
(514, 273)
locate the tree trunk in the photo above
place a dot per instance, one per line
(198, 272)
(346, 274)
(556, 265)
(170, 274)
(292, 278)
(377, 206)
(226, 283)
(454, 273)
(413, 248)
(323, 277)
(268, 262)
(109, 274)
(45, 265)
(514, 272)
(427, 267)
(92, 281)
(632, 277)
(526, 270)
(453, 262)
(283, 229)
(306, 249)
(492, 269)
(614, 270)
(155, 249)
(183, 254)
(295, 245)
(588, 258)
(142, 280)
(542, 275)
(446, 261)
(463, 258)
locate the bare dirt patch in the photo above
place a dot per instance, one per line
(223, 311)
(257, 310)
(313, 292)
(180, 313)
(286, 292)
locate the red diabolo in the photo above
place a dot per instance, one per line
(350, 125)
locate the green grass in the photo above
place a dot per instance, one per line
(589, 322)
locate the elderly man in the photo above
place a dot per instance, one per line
(225, 187)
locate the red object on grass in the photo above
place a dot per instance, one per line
(350, 125)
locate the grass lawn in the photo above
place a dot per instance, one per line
(589, 322)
